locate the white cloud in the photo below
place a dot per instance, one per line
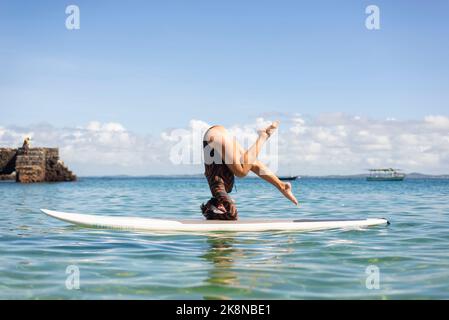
(337, 143)
(327, 144)
(97, 148)
(439, 122)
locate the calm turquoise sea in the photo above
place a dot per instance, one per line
(410, 258)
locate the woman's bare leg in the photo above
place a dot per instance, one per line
(265, 173)
(240, 162)
(236, 158)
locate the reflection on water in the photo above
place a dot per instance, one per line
(222, 256)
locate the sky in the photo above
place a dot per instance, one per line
(137, 70)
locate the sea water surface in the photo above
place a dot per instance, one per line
(40, 257)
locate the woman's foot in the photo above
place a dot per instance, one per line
(268, 131)
(286, 190)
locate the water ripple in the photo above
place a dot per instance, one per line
(411, 254)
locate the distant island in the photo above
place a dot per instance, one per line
(413, 175)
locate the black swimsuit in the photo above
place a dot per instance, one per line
(221, 181)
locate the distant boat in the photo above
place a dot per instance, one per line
(288, 178)
(388, 174)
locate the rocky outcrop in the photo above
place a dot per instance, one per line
(11, 176)
(56, 170)
(7, 160)
(30, 166)
(34, 165)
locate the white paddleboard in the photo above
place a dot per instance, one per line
(146, 224)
